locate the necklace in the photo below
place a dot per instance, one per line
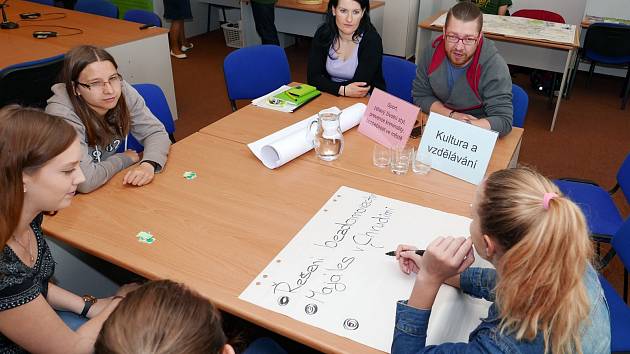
(28, 250)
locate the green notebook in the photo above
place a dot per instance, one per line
(298, 95)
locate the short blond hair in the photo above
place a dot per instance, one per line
(465, 11)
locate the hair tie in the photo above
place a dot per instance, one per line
(546, 198)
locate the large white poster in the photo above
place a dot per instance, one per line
(334, 273)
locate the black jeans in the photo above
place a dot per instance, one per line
(264, 18)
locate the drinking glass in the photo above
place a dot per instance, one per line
(381, 155)
(401, 157)
(421, 163)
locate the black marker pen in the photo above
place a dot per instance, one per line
(393, 253)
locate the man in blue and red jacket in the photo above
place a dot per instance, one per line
(461, 74)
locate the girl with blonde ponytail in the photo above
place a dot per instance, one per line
(546, 295)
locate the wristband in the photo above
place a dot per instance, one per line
(88, 301)
(450, 115)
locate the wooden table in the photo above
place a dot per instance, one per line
(251, 123)
(539, 54)
(142, 55)
(218, 231)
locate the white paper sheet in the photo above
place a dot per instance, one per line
(263, 101)
(284, 145)
(334, 273)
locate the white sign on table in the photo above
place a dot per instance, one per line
(459, 149)
(334, 273)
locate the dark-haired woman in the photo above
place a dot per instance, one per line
(346, 52)
(104, 109)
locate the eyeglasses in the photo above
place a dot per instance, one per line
(115, 80)
(467, 41)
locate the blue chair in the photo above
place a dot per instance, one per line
(28, 84)
(619, 318)
(619, 311)
(520, 103)
(97, 7)
(157, 104)
(608, 44)
(602, 215)
(44, 2)
(143, 16)
(399, 75)
(252, 72)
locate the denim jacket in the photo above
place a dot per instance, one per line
(411, 324)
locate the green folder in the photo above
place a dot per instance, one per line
(298, 95)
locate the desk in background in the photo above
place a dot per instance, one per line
(547, 55)
(299, 19)
(251, 123)
(142, 55)
(588, 20)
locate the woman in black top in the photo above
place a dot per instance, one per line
(39, 171)
(347, 52)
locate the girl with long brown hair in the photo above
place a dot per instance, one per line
(545, 294)
(104, 109)
(39, 172)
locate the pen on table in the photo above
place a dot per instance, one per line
(393, 253)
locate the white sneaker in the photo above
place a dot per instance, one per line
(187, 48)
(179, 56)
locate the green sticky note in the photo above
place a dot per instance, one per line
(190, 175)
(145, 237)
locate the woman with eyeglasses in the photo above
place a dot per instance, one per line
(347, 53)
(104, 109)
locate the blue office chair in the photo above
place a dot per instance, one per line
(520, 103)
(619, 311)
(143, 16)
(44, 2)
(97, 7)
(157, 104)
(608, 44)
(252, 72)
(603, 217)
(399, 75)
(619, 318)
(28, 84)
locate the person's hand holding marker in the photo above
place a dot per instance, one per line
(407, 263)
(445, 255)
(444, 258)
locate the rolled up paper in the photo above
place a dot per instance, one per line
(284, 145)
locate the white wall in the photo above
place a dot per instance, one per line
(608, 8)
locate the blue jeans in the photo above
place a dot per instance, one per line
(71, 319)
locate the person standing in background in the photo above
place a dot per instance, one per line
(265, 20)
(177, 11)
(493, 7)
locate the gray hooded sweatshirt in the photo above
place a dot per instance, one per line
(100, 163)
(484, 91)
